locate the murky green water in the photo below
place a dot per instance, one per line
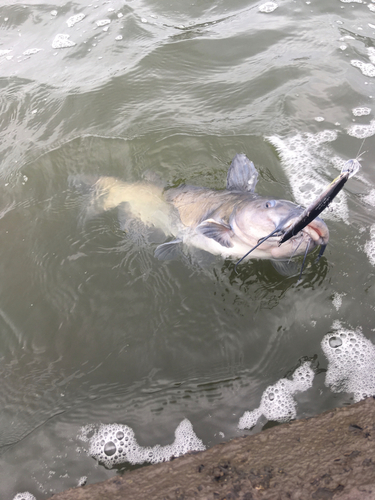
(92, 327)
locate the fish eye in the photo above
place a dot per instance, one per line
(270, 203)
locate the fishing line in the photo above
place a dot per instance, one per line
(359, 155)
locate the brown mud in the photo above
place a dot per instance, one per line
(331, 456)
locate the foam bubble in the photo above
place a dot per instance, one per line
(362, 131)
(300, 155)
(367, 69)
(351, 363)
(82, 481)
(75, 19)
(370, 246)
(268, 7)
(337, 300)
(103, 22)
(4, 52)
(371, 7)
(361, 111)
(277, 402)
(371, 53)
(61, 41)
(24, 496)
(113, 444)
(30, 52)
(370, 198)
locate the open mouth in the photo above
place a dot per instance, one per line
(316, 230)
(313, 234)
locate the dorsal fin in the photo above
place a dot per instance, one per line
(242, 175)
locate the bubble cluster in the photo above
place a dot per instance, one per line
(370, 246)
(61, 41)
(300, 155)
(30, 52)
(361, 111)
(370, 198)
(367, 69)
(24, 496)
(268, 7)
(362, 131)
(337, 300)
(103, 22)
(277, 402)
(113, 444)
(351, 363)
(75, 19)
(82, 481)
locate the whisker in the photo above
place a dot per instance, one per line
(295, 250)
(262, 240)
(321, 252)
(304, 258)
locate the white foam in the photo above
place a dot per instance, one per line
(370, 198)
(113, 444)
(277, 402)
(351, 362)
(24, 496)
(337, 300)
(4, 52)
(103, 22)
(30, 52)
(371, 7)
(300, 155)
(361, 111)
(362, 131)
(82, 481)
(61, 41)
(75, 19)
(371, 53)
(370, 246)
(268, 7)
(367, 69)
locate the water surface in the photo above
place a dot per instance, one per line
(93, 329)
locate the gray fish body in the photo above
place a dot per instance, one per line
(227, 223)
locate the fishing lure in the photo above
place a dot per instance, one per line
(350, 168)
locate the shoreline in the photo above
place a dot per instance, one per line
(331, 455)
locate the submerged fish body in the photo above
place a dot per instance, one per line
(228, 223)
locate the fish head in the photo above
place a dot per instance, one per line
(267, 219)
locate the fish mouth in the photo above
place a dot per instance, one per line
(316, 230)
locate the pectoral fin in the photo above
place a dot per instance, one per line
(242, 175)
(218, 231)
(168, 251)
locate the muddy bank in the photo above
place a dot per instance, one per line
(328, 456)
